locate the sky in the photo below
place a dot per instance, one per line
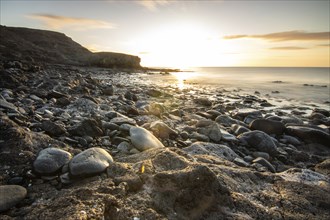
(186, 33)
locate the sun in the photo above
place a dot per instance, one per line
(181, 46)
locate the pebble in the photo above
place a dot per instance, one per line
(10, 196)
(50, 161)
(143, 140)
(90, 162)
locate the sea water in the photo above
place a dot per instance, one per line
(293, 83)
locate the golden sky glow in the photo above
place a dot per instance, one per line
(184, 34)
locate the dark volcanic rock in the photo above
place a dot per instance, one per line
(90, 162)
(50, 161)
(52, 128)
(10, 196)
(260, 141)
(267, 126)
(88, 127)
(309, 135)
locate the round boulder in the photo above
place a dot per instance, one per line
(10, 195)
(50, 161)
(90, 162)
(143, 140)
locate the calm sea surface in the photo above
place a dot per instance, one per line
(301, 84)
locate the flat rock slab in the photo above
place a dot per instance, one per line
(90, 162)
(10, 195)
(143, 140)
(217, 150)
(51, 160)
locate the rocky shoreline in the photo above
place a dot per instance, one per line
(95, 143)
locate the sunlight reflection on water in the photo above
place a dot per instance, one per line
(182, 77)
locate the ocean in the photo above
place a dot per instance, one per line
(290, 83)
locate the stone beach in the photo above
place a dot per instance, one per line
(84, 142)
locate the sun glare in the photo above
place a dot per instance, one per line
(183, 46)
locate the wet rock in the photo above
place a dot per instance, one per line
(217, 150)
(291, 120)
(264, 163)
(260, 141)
(203, 101)
(322, 111)
(240, 114)
(88, 127)
(175, 193)
(309, 135)
(291, 140)
(90, 162)
(162, 130)
(143, 140)
(267, 126)
(10, 196)
(52, 128)
(50, 161)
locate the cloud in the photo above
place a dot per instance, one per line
(78, 24)
(286, 36)
(288, 48)
(323, 45)
(152, 5)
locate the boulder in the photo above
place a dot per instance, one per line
(162, 130)
(309, 135)
(260, 141)
(267, 126)
(90, 162)
(53, 128)
(50, 161)
(143, 140)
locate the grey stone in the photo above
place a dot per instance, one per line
(309, 135)
(50, 161)
(244, 112)
(10, 196)
(90, 162)
(267, 126)
(217, 150)
(162, 130)
(123, 120)
(88, 127)
(240, 162)
(265, 163)
(7, 105)
(260, 141)
(225, 120)
(238, 129)
(52, 128)
(143, 140)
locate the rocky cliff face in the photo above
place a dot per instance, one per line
(32, 45)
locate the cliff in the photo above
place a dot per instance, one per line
(32, 45)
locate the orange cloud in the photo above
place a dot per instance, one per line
(288, 48)
(78, 24)
(152, 5)
(286, 36)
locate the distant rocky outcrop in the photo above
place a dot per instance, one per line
(41, 46)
